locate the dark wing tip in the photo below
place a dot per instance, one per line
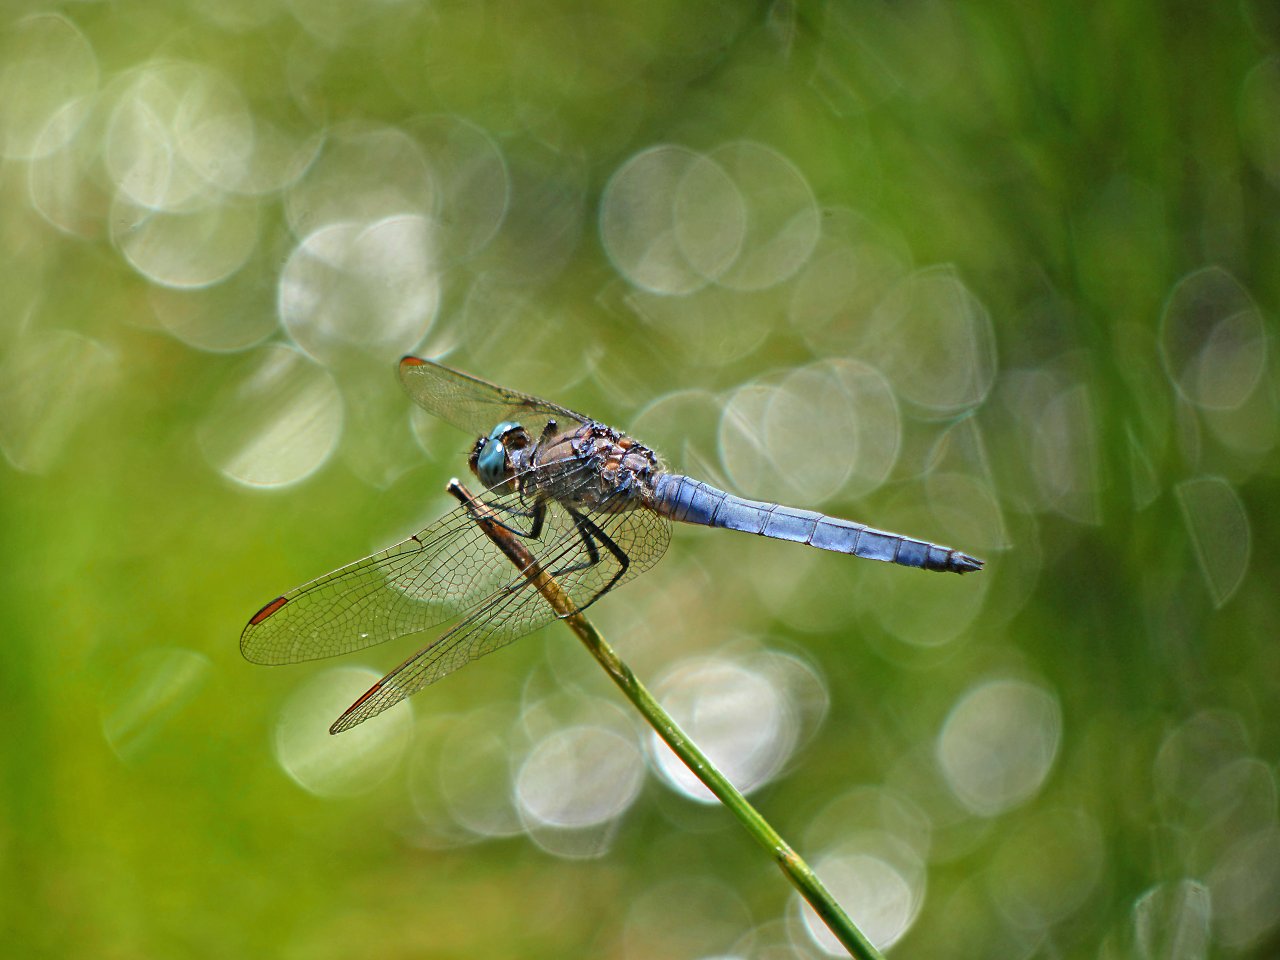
(963, 563)
(246, 648)
(349, 716)
(267, 610)
(411, 361)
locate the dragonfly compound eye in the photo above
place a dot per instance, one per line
(491, 463)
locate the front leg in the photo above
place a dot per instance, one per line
(549, 431)
(538, 515)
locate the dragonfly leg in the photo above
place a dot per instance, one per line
(591, 535)
(593, 538)
(548, 432)
(593, 552)
(538, 514)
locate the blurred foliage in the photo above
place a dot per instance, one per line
(993, 274)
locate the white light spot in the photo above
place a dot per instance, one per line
(882, 897)
(351, 763)
(213, 131)
(222, 318)
(434, 827)
(45, 64)
(59, 184)
(1196, 754)
(49, 383)
(873, 812)
(367, 287)
(686, 919)
(139, 158)
(735, 714)
(662, 239)
(782, 221)
(827, 427)
(1219, 531)
(999, 744)
(1244, 888)
(742, 440)
(811, 430)
(1259, 107)
(1046, 868)
(923, 615)
(935, 342)
(876, 435)
(579, 777)
(278, 423)
(709, 217)
(177, 130)
(473, 776)
(474, 188)
(854, 266)
(683, 425)
(1212, 340)
(1065, 457)
(363, 175)
(1171, 922)
(186, 250)
(713, 325)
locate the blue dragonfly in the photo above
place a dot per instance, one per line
(593, 508)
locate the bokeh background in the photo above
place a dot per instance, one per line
(1003, 276)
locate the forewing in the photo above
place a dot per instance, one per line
(517, 609)
(474, 405)
(431, 577)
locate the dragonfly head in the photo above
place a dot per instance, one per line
(491, 458)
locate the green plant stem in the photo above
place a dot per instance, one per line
(792, 865)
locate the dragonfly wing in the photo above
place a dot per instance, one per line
(427, 579)
(583, 566)
(476, 405)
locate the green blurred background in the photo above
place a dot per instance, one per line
(998, 275)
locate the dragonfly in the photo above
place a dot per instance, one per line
(591, 505)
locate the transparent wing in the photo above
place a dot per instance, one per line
(584, 563)
(431, 577)
(476, 405)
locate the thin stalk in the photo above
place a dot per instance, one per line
(792, 865)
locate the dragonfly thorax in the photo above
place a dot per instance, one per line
(590, 465)
(620, 469)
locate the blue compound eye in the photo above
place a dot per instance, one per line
(491, 462)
